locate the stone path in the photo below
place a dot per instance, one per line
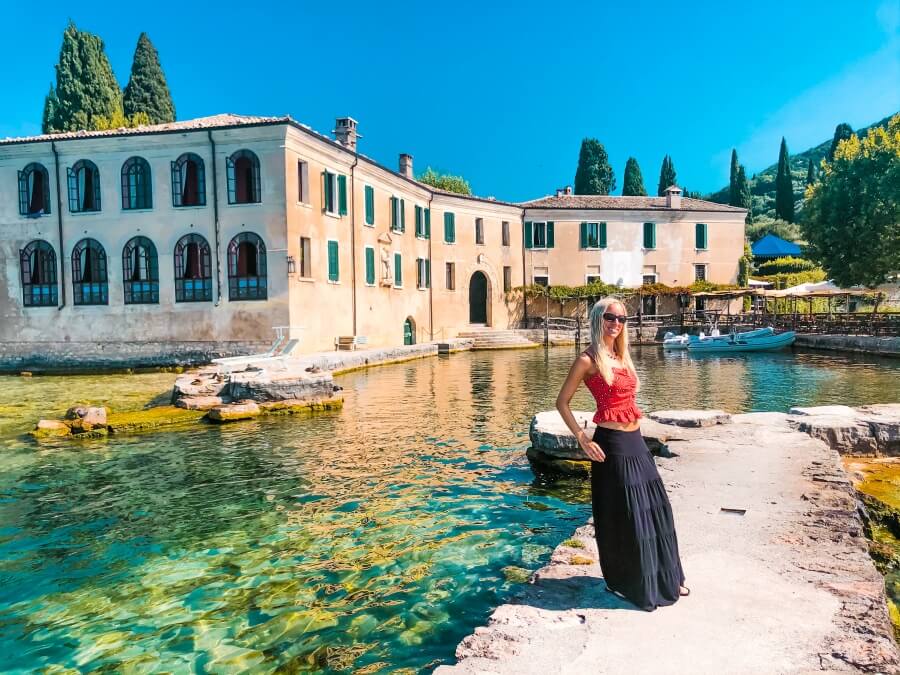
(788, 587)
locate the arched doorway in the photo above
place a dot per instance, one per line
(409, 331)
(478, 298)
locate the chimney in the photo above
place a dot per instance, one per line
(568, 189)
(559, 192)
(406, 167)
(345, 132)
(673, 197)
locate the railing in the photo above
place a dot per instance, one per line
(854, 323)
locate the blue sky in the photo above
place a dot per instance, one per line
(502, 93)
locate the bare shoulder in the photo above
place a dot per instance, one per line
(583, 363)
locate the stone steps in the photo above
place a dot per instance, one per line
(487, 338)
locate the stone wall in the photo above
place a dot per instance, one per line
(868, 344)
(76, 356)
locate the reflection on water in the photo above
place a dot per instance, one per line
(370, 539)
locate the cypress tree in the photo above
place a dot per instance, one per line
(633, 182)
(147, 90)
(842, 132)
(744, 200)
(733, 186)
(51, 103)
(810, 173)
(86, 88)
(784, 187)
(667, 176)
(594, 175)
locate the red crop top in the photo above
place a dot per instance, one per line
(615, 403)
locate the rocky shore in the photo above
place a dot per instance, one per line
(772, 540)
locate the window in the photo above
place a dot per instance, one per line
(188, 181)
(137, 188)
(34, 191)
(593, 235)
(193, 269)
(37, 262)
(398, 270)
(504, 229)
(507, 279)
(479, 231)
(700, 272)
(370, 266)
(242, 174)
(247, 268)
(84, 187)
(699, 305)
(305, 258)
(334, 274)
(398, 215)
(423, 222)
(541, 276)
(592, 274)
(89, 281)
(140, 272)
(649, 236)
(423, 273)
(700, 236)
(539, 235)
(451, 276)
(334, 193)
(370, 205)
(449, 227)
(302, 182)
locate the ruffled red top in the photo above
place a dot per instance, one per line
(616, 402)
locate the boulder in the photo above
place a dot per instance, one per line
(691, 418)
(243, 410)
(199, 402)
(47, 428)
(832, 410)
(89, 416)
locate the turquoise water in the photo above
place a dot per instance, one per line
(369, 540)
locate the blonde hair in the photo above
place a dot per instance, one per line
(598, 350)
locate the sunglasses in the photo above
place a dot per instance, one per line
(608, 316)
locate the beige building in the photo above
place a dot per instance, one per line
(196, 238)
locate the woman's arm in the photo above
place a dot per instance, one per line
(579, 369)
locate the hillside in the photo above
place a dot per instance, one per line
(762, 184)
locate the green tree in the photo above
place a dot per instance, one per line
(810, 172)
(745, 264)
(744, 200)
(48, 120)
(784, 187)
(852, 213)
(86, 88)
(147, 90)
(733, 187)
(445, 181)
(667, 176)
(633, 182)
(842, 132)
(594, 175)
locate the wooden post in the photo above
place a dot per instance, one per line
(547, 318)
(640, 335)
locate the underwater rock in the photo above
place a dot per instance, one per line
(243, 410)
(47, 428)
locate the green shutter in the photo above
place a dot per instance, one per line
(602, 235)
(370, 265)
(649, 235)
(398, 270)
(420, 226)
(427, 273)
(428, 223)
(403, 215)
(449, 227)
(584, 236)
(342, 195)
(528, 233)
(453, 227)
(549, 234)
(393, 213)
(326, 191)
(700, 236)
(370, 205)
(333, 269)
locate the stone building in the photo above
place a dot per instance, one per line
(195, 238)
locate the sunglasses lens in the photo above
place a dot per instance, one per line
(613, 317)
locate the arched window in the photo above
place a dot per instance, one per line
(188, 181)
(89, 281)
(193, 269)
(34, 190)
(137, 188)
(38, 264)
(84, 187)
(243, 178)
(140, 272)
(247, 268)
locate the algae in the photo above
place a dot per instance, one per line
(581, 560)
(573, 543)
(151, 418)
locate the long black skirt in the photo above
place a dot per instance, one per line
(633, 522)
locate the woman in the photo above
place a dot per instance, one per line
(632, 516)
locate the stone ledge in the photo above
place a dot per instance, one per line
(691, 418)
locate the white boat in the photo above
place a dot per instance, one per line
(734, 343)
(672, 341)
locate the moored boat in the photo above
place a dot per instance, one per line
(736, 343)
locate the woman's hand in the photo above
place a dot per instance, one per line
(590, 448)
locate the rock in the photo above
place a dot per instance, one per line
(75, 412)
(296, 385)
(25, 373)
(542, 463)
(691, 418)
(47, 428)
(89, 415)
(824, 410)
(199, 402)
(300, 406)
(244, 410)
(337, 388)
